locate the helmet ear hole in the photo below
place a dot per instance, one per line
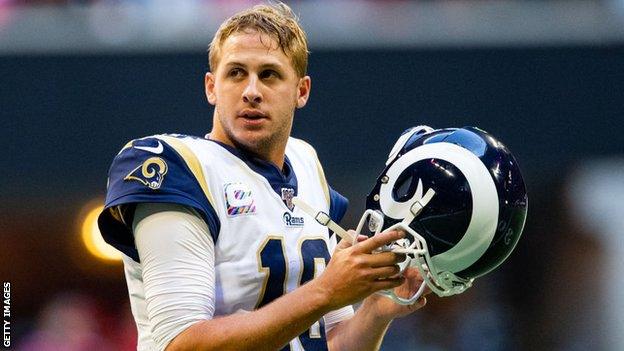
(404, 187)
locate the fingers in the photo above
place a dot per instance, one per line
(389, 283)
(384, 272)
(385, 259)
(413, 274)
(377, 241)
(345, 243)
(421, 302)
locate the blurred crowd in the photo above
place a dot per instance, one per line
(74, 321)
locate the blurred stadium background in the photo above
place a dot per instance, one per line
(80, 78)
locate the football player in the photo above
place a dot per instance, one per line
(216, 255)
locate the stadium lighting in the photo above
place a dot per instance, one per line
(93, 240)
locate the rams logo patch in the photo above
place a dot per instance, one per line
(151, 173)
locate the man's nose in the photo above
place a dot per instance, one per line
(252, 93)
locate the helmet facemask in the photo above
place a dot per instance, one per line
(414, 247)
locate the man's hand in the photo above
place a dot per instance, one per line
(365, 330)
(355, 272)
(380, 305)
(387, 309)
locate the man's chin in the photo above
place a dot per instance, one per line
(253, 142)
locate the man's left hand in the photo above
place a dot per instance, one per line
(387, 309)
(384, 307)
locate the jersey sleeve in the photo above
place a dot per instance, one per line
(158, 170)
(337, 205)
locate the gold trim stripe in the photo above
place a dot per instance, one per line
(192, 162)
(323, 180)
(127, 146)
(320, 171)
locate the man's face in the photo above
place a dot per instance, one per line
(255, 91)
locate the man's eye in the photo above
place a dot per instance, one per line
(269, 74)
(235, 72)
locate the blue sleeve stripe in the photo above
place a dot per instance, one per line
(117, 234)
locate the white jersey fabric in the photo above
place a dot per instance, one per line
(216, 232)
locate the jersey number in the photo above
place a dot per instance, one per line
(272, 260)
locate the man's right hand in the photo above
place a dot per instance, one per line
(355, 272)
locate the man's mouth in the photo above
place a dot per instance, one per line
(252, 114)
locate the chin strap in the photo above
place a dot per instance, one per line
(323, 219)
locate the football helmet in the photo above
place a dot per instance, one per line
(459, 195)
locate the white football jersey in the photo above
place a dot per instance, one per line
(264, 245)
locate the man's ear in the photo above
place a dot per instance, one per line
(209, 86)
(303, 91)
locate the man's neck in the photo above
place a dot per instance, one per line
(274, 156)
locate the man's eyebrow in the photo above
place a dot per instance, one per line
(270, 65)
(275, 66)
(234, 64)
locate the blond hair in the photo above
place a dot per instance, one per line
(276, 20)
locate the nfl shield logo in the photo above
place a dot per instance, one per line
(287, 196)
